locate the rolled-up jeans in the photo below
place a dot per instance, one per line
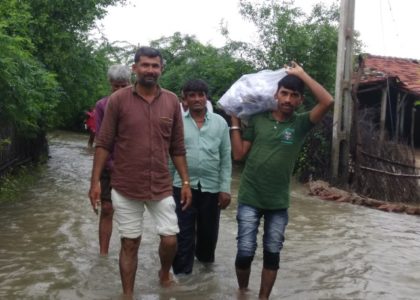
(248, 218)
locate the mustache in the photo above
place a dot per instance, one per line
(150, 76)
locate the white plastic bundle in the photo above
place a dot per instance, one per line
(252, 93)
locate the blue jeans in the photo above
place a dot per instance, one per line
(275, 222)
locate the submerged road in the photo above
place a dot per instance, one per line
(49, 248)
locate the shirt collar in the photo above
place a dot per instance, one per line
(134, 90)
(271, 118)
(206, 117)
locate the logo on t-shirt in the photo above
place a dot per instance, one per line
(287, 136)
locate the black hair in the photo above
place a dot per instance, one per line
(291, 82)
(195, 85)
(149, 52)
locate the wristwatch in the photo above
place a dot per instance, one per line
(186, 182)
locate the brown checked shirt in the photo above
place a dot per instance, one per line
(145, 135)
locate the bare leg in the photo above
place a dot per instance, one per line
(91, 138)
(268, 277)
(243, 279)
(105, 227)
(128, 264)
(167, 250)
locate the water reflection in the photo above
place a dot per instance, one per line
(48, 246)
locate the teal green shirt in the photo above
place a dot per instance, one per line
(208, 154)
(275, 146)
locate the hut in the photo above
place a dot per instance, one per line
(386, 128)
(391, 87)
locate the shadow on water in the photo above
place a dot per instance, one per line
(48, 246)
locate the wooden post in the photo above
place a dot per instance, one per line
(402, 116)
(413, 121)
(383, 114)
(398, 117)
(343, 101)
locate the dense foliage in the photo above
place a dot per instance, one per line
(286, 33)
(51, 71)
(60, 33)
(186, 58)
(29, 92)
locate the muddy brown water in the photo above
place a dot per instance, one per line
(49, 248)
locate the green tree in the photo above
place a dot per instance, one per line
(29, 92)
(286, 33)
(60, 35)
(50, 71)
(186, 58)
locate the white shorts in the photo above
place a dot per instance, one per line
(129, 213)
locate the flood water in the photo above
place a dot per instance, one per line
(49, 246)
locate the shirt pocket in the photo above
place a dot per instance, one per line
(165, 126)
(212, 145)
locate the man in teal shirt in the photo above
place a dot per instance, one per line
(271, 142)
(209, 163)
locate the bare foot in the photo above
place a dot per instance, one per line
(126, 297)
(166, 280)
(243, 294)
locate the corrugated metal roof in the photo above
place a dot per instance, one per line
(406, 71)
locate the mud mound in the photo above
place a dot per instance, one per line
(324, 191)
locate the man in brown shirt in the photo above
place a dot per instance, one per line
(143, 126)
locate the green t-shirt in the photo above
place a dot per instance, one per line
(275, 146)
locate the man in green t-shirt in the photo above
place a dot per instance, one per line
(271, 143)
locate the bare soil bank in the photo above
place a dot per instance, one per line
(324, 191)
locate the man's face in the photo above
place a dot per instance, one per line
(148, 70)
(196, 101)
(288, 100)
(116, 85)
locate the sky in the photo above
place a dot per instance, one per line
(387, 27)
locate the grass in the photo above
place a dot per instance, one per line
(13, 183)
